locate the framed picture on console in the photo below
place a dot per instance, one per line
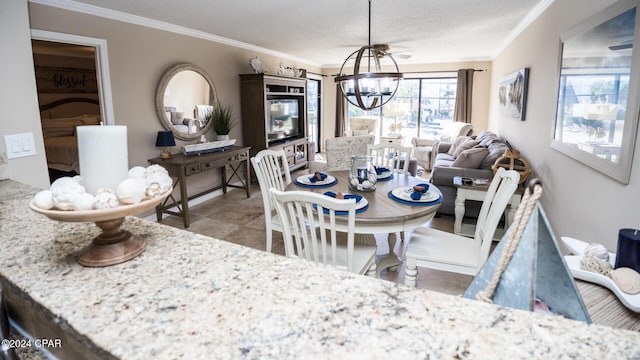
(512, 94)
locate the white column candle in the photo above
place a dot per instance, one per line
(103, 156)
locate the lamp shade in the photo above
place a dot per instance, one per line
(165, 138)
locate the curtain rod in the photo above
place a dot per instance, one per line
(425, 72)
(439, 71)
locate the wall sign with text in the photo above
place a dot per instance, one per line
(66, 80)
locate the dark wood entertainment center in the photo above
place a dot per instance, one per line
(256, 91)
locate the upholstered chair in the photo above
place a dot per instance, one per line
(362, 125)
(338, 152)
(422, 147)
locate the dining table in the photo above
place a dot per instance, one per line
(385, 212)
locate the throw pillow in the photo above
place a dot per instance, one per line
(457, 143)
(177, 118)
(471, 158)
(466, 145)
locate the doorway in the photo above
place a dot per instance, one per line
(314, 108)
(73, 89)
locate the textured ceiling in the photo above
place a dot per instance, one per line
(324, 32)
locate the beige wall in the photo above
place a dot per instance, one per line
(18, 93)
(138, 56)
(481, 91)
(579, 201)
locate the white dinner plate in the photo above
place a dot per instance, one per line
(362, 203)
(304, 179)
(404, 193)
(384, 175)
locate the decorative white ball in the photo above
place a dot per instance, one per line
(44, 199)
(597, 250)
(137, 172)
(64, 192)
(157, 183)
(131, 190)
(106, 199)
(155, 168)
(83, 202)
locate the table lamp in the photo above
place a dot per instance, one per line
(165, 140)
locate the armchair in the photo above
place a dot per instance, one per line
(422, 147)
(362, 125)
(338, 152)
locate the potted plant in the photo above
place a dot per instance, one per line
(222, 120)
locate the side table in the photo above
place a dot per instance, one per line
(478, 192)
(392, 138)
(182, 166)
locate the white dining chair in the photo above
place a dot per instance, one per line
(309, 230)
(440, 250)
(389, 155)
(272, 171)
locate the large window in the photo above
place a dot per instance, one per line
(419, 108)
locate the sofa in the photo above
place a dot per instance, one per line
(423, 147)
(466, 156)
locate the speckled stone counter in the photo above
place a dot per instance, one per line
(193, 297)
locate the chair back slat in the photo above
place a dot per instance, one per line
(272, 170)
(389, 155)
(309, 226)
(502, 187)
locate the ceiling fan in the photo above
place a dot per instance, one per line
(628, 44)
(399, 54)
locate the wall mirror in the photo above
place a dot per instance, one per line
(184, 97)
(596, 118)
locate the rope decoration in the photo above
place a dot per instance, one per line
(520, 221)
(596, 265)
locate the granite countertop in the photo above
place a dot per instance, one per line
(191, 296)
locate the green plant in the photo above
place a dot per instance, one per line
(221, 118)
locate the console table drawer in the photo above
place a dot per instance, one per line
(214, 164)
(192, 169)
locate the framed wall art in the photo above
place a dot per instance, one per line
(512, 94)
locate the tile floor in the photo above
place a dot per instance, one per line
(235, 218)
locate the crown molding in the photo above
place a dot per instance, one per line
(523, 24)
(164, 26)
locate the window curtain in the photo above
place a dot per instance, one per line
(341, 108)
(462, 112)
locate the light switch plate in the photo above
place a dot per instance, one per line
(19, 145)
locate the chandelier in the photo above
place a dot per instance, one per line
(366, 85)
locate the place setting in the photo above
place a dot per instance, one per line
(383, 173)
(362, 203)
(418, 195)
(316, 180)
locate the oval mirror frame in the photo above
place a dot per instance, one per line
(160, 97)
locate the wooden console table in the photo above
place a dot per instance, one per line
(181, 166)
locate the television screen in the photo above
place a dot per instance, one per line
(284, 122)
